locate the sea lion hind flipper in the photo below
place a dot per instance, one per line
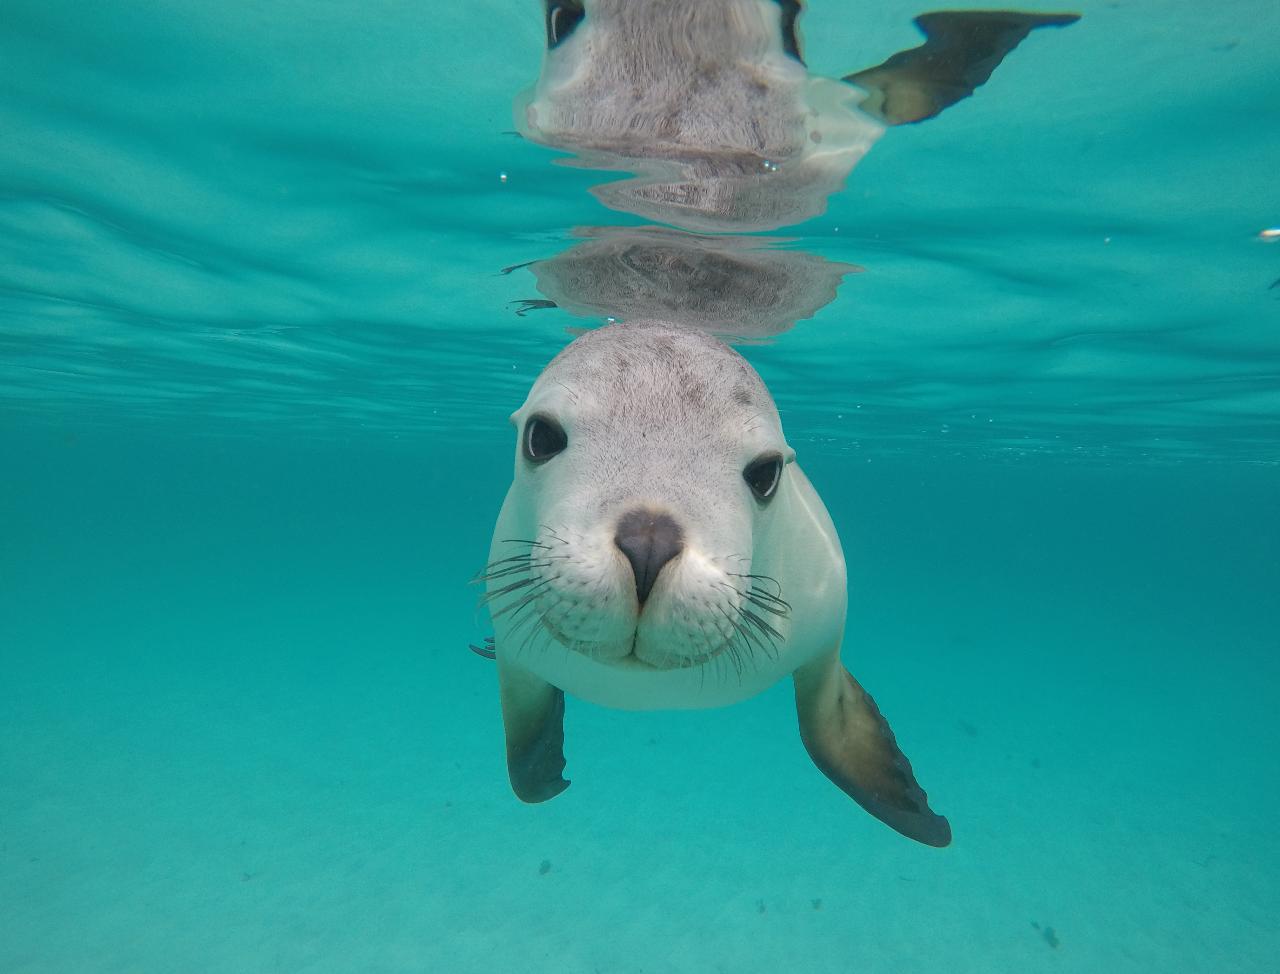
(961, 49)
(533, 715)
(852, 744)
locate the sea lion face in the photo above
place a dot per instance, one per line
(665, 80)
(647, 463)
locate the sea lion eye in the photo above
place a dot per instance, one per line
(762, 475)
(543, 438)
(562, 17)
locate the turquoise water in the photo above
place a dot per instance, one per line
(256, 361)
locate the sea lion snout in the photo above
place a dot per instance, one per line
(649, 539)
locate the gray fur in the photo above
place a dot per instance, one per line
(656, 418)
(663, 80)
(652, 421)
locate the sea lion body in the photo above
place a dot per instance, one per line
(660, 548)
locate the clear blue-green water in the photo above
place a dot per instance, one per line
(256, 363)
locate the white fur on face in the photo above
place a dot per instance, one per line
(663, 420)
(588, 602)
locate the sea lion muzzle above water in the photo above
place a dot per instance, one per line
(711, 106)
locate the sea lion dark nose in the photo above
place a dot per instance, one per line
(649, 540)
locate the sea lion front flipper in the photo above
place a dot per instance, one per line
(851, 743)
(533, 715)
(961, 49)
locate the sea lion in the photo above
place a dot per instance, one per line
(659, 547)
(711, 105)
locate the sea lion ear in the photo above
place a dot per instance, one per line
(961, 49)
(533, 715)
(851, 743)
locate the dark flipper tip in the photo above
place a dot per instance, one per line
(852, 744)
(961, 49)
(535, 750)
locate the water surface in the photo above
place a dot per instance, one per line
(256, 362)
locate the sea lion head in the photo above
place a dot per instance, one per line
(668, 80)
(649, 465)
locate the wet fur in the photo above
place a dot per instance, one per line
(672, 78)
(665, 420)
(647, 415)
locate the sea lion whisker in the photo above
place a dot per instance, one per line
(514, 559)
(750, 643)
(761, 599)
(489, 598)
(744, 638)
(759, 578)
(510, 570)
(514, 562)
(779, 612)
(736, 660)
(555, 535)
(720, 663)
(768, 603)
(702, 670)
(759, 633)
(529, 627)
(765, 593)
(527, 635)
(523, 556)
(516, 606)
(756, 592)
(527, 566)
(737, 626)
(517, 609)
(731, 658)
(536, 631)
(507, 589)
(762, 626)
(502, 573)
(499, 564)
